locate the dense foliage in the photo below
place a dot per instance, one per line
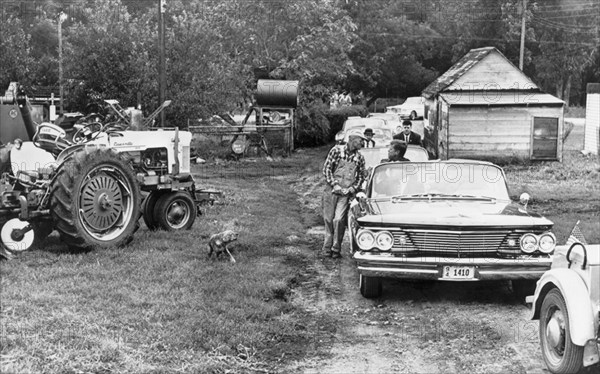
(216, 50)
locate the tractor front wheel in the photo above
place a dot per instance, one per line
(95, 199)
(175, 211)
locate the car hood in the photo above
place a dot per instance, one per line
(450, 212)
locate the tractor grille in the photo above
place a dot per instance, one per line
(473, 243)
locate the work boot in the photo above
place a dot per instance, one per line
(326, 252)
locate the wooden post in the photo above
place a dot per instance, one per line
(522, 50)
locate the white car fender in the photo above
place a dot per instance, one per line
(574, 291)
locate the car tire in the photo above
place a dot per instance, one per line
(560, 354)
(523, 288)
(413, 115)
(370, 287)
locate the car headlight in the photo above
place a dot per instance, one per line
(529, 243)
(384, 240)
(547, 242)
(365, 240)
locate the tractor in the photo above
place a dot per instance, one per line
(91, 178)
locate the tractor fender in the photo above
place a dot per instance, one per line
(577, 299)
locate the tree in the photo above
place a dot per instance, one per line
(15, 54)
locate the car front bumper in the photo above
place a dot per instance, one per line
(440, 268)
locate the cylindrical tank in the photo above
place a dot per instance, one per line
(277, 93)
(137, 119)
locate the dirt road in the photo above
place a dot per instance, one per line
(435, 327)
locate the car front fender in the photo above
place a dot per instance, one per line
(577, 299)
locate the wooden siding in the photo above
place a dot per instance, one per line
(493, 72)
(484, 132)
(592, 123)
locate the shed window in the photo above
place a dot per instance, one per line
(544, 145)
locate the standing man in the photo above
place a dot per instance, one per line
(408, 136)
(344, 173)
(369, 142)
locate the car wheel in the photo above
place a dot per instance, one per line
(413, 115)
(523, 288)
(559, 352)
(370, 287)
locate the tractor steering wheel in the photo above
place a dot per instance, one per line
(87, 132)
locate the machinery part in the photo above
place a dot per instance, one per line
(17, 235)
(277, 93)
(148, 209)
(41, 230)
(560, 353)
(89, 131)
(370, 287)
(175, 211)
(95, 199)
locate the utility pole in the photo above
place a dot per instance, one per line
(522, 50)
(162, 81)
(62, 17)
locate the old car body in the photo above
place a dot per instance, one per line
(567, 304)
(412, 107)
(446, 220)
(382, 133)
(373, 156)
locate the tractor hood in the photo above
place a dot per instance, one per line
(450, 212)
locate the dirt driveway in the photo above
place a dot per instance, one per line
(415, 327)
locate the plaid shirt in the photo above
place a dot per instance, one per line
(333, 159)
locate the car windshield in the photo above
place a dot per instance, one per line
(438, 180)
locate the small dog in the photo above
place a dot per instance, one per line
(218, 243)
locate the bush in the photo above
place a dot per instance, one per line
(317, 124)
(312, 126)
(338, 116)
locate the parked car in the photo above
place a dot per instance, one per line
(357, 125)
(393, 121)
(567, 304)
(373, 156)
(413, 108)
(446, 220)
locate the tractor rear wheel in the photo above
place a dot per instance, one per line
(95, 199)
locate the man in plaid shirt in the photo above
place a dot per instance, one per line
(344, 171)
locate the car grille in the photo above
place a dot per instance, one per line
(475, 243)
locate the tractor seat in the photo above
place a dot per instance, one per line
(51, 138)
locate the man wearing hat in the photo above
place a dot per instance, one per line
(408, 136)
(369, 142)
(344, 171)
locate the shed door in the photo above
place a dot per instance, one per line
(544, 144)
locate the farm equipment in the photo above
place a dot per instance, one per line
(92, 179)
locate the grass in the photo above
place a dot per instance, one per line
(160, 305)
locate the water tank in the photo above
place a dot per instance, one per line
(277, 93)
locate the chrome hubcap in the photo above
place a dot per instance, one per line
(555, 331)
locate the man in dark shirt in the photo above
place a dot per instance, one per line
(408, 136)
(344, 171)
(396, 152)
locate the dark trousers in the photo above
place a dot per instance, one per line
(335, 212)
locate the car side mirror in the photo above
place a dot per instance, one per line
(524, 199)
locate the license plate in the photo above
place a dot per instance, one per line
(458, 272)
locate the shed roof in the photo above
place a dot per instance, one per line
(467, 62)
(500, 98)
